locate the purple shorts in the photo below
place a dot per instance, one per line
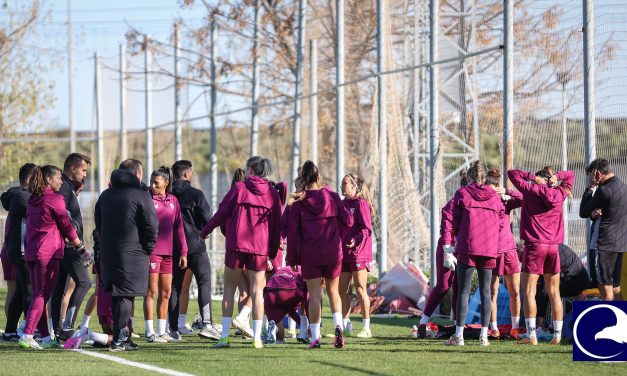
(329, 271)
(480, 262)
(160, 264)
(248, 261)
(540, 259)
(507, 264)
(103, 308)
(7, 268)
(351, 267)
(278, 303)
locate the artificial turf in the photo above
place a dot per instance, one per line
(391, 352)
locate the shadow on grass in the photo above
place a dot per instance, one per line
(365, 371)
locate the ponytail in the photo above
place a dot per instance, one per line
(362, 191)
(476, 172)
(463, 181)
(37, 183)
(166, 173)
(238, 175)
(494, 177)
(308, 176)
(259, 166)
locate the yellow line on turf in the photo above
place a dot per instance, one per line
(126, 362)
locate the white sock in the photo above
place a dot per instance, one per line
(85, 321)
(515, 322)
(182, 320)
(345, 322)
(50, 326)
(304, 324)
(315, 331)
(226, 326)
(424, 320)
(367, 324)
(150, 329)
(265, 322)
(292, 323)
(161, 327)
(484, 331)
(557, 328)
(27, 336)
(100, 338)
(459, 331)
(244, 313)
(493, 325)
(531, 327)
(337, 319)
(257, 330)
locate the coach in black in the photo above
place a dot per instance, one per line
(74, 173)
(610, 201)
(127, 224)
(196, 213)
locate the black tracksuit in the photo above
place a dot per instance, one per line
(196, 212)
(15, 202)
(71, 264)
(127, 226)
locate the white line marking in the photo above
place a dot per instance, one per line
(127, 362)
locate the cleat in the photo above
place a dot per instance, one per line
(186, 330)
(422, 331)
(164, 338)
(365, 333)
(77, 339)
(494, 333)
(51, 343)
(123, 346)
(315, 344)
(339, 338)
(257, 344)
(210, 332)
(454, 341)
(303, 338)
(483, 341)
(291, 333)
(222, 343)
(555, 341)
(515, 333)
(348, 330)
(65, 334)
(243, 327)
(154, 339)
(133, 335)
(271, 333)
(13, 337)
(528, 341)
(176, 337)
(29, 343)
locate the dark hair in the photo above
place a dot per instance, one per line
(463, 181)
(166, 173)
(37, 182)
(75, 160)
(476, 172)
(546, 172)
(26, 171)
(493, 177)
(601, 165)
(132, 165)
(261, 167)
(179, 168)
(310, 173)
(238, 175)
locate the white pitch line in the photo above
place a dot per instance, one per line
(126, 362)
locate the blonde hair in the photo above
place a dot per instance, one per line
(362, 191)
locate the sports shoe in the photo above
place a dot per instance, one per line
(65, 334)
(165, 337)
(210, 332)
(122, 346)
(365, 333)
(257, 344)
(222, 343)
(303, 338)
(291, 333)
(243, 327)
(176, 337)
(13, 337)
(555, 341)
(494, 333)
(29, 343)
(528, 341)
(271, 333)
(422, 331)
(130, 345)
(515, 333)
(77, 339)
(483, 341)
(197, 324)
(454, 341)
(315, 344)
(348, 330)
(134, 335)
(186, 330)
(51, 343)
(155, 339)
(339, 338)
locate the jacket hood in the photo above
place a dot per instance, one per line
(319, 202)
(281, 187)
(256, 185)
(121, 178)
(480, 192)
(180, 186)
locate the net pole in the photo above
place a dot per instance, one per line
(339, 92)
(148, 108)
(254, 126)
(302, 19)
(213, 146)
(589, 122)
(565, 157)
(123, 144)
(383, 141)
(434, 135)
(417, 80)
(313, 99)
(508, 88)
(178, 132)
(99, 124)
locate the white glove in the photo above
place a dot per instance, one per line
(448, 249)
(506, 197)
(450, 262)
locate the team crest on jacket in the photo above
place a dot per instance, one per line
(172, 206)
(156, 206)
(352, 210)
(153, 265)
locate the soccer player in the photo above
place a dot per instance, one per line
(542, 230)
(477, 212)
(251, 211)
(314, 242)
(170, 240)
(357, 251)
(284, 294)
(47, 224)
(507, 263)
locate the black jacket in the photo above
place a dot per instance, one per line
(611, 198)
(572, 270)
(196, 213)
(126, 223)
(15, 201)
(71, 204)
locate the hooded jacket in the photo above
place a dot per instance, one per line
(15, 202)
(315, 229)
(127, 225)
(71, 204)
(196, 213)
(506, 237)
(542, 217)
(477, 212)
(47, 224)
(171, 235)
(286, 279)
(360, 232)
(446, 224)
(251, 211)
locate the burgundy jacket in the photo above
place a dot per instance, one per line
(360, 232)
(171, 235)
(506, 237)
